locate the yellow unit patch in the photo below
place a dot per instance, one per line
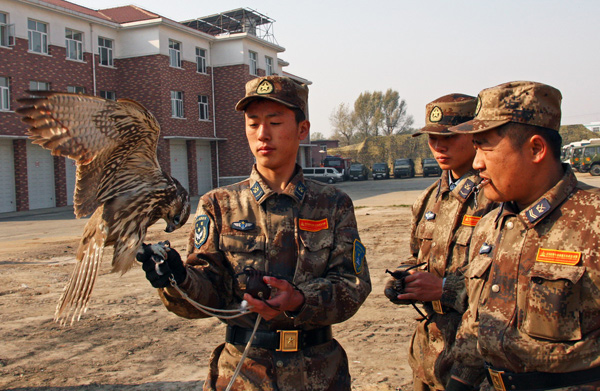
(313, 225)
(558, 256)
(471, 221)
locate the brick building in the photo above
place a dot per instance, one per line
(188, 74)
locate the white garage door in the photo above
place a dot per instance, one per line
(204, 167)
(40, 177)
(8, 202)
(179, 168)
(71, 170)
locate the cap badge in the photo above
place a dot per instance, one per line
(265, 87)
(436, 114)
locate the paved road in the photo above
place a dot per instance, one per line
(58, 222)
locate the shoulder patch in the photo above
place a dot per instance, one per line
(466, 189)
(257, 191)
(201, 226)
(358, 256)
(538, 210)
(243, 225)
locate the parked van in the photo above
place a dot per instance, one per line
(323, 174)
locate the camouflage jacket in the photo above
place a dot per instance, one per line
(306, 235)
(442, 223)
(533, 286)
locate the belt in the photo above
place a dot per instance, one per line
(280, 340)
(507, 381)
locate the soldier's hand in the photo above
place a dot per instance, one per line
(393, 288)
(422, 286)
(161, 262)
(286, 298)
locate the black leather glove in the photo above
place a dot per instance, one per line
(158, 268)
(455, 385)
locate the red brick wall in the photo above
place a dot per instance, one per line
(21, 187)
(60, 181)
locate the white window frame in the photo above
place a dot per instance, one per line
(269, 66)
(74, 44)
(76, 89)
(105, 52)
(110, 95)
(4, 94)
(200, 60)
(253, 62)
(174, 53)
(203, 108)
(39, 85)
(7, 31)
(42, 36)
(177, 104)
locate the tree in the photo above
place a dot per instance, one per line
(367, 113)
(342, 122)
(393, 113)
(317, 136)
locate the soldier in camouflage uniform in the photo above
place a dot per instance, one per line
(300, 232)
(533, 280)
(443, 219)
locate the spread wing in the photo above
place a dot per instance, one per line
(113, 143)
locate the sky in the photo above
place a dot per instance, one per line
(423, 49)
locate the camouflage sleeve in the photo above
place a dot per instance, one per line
(345, 284)
(454, 293)
(468, 363)
(208, 280)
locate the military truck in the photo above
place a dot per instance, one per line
(430, 167)
(404, 168)
(381, 171)
(589, 159)
(359, 172)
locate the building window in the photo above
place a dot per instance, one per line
(253, 63)
(74, 43)
(105, 51)
(4, 94)
(177, 104)
(201, 60)
(174, 53)
(596, 129)
(111, 95)
(7, 31)
(76, 90)
(39, 86)
(37, 33)
(269, 62)
(203, 107)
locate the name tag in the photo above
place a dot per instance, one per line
(558, 256)
(313, 225)
(471, 221)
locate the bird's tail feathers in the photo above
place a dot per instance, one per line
(76, 295)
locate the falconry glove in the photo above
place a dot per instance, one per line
(161, 262)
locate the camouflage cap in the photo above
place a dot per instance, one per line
(449, 110)
(524, 102)
(277, 88)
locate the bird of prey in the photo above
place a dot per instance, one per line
(119, 180)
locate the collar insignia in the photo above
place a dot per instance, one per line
(243, 225)
(466, 189)
(257, 191)
(485, 249)
(300, 190)
(538, 210)
(429, 215)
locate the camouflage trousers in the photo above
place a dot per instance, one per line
(429, 351)
(319, 368)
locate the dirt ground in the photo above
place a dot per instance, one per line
(128, 341)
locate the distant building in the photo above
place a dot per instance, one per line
(320, 149)
(188, 74)
(593, 126)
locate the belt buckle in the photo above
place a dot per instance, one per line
(497, 381)
(288, 340)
